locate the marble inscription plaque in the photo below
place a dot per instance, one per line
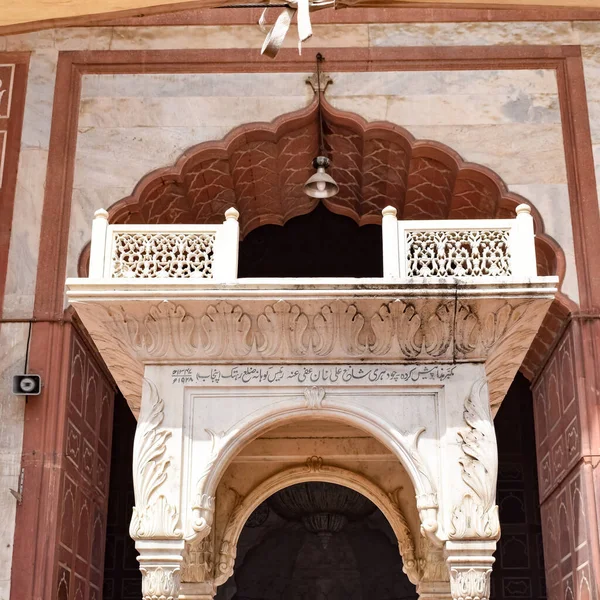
(311, 374)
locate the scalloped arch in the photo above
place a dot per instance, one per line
(260, 169)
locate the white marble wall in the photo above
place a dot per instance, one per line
(29, 196)
(13, 348)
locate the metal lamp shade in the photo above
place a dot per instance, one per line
(321, 185)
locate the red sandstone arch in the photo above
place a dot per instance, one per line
(260, 169)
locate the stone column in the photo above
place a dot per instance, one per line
(160, 564)
(470, 565)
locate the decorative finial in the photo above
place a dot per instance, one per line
(319, 81)
(232, 213)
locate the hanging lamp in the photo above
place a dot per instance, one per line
(321, 184)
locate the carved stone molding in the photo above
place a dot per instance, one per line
(160, 583)
(203, 507)
(470, 566)
(470, 583)
(203, 511)
(410, 561)
(477, 515)
(432, 562)
(419, 330)
(314, 396)
(160, 565)
(244, 324)
(153, 516)
(314, 464)
(198, 562)
(226, 563)
(427, 505)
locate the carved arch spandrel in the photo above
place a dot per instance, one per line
(314, 470)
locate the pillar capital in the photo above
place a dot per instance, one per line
(470, 565)
(160, 563)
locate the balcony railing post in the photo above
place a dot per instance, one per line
(391, 247)
(98, 245)
(522, 249)
(227, 251)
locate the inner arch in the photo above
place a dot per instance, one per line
(317, 540)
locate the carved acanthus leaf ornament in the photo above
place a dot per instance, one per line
(160, 583)
(470, 583)
(198, 561)
(477, 515)
(203, 508)
(153, 516)
(406, 544)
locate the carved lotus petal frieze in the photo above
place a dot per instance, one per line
(402, 331)
(281, 329)
(371, 328)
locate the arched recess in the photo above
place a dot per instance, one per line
(403, 447)
(260, 169)
(315, 470)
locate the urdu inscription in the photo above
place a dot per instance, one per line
(311, 374)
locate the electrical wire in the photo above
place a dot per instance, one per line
(321, 144)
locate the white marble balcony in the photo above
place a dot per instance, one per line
(463, 249)
(452, 291)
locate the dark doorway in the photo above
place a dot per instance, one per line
(122, 578)
(317, 541)
(319, 244)
(519, 568)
